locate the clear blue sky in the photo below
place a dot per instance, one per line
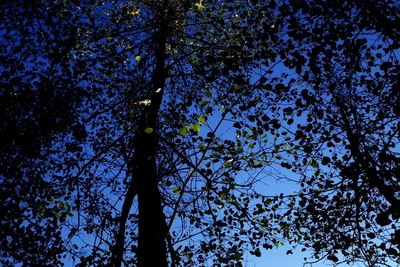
(277, 257)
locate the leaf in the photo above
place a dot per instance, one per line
(208, 93)
(203, 102)
(325, 160)
(196, 127)
(333, 258)
(192, 60)
(237, 256)
(182, 131)
(134, 12)
(202, 119)
(177, 189)
(237, 88)
(228, 163)
(288, 111)
(199, 5)
(148, 130)
(314, 163)
(72, 233)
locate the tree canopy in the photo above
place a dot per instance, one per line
(143, 132)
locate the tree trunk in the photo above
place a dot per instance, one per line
(152, 231)
(151, 246)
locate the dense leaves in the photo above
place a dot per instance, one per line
(133, 121)
(39, 100)
(349, 64)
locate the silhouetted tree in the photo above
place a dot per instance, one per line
(346, 54)
(142, 132)
(39, 99)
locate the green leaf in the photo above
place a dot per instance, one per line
(202, 119)
(148, 130)
(228, 164)
(196, 127)
(177, 190)
(314, 163)
(203, 102)
(182, 131)
(199, 5)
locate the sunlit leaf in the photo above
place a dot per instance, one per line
(202, 119)
(177, 189)
(182, 131)
(199, 5)
(148, 130)
(134, 12)
(196, 127)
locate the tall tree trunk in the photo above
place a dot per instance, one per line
(152, 231)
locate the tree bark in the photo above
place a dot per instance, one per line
(152, 231)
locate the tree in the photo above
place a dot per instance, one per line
(172, 49)
(35, 110)
(129, 51)
(350, 76)
(180, 112)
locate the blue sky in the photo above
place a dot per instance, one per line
(277, 258)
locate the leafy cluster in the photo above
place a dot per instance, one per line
(130, 121)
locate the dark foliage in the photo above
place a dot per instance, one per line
(141, 132)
